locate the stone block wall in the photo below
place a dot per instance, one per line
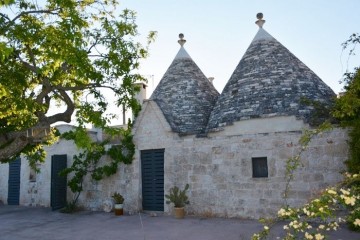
(219, 171)
(219, 167)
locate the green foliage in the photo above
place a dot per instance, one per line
(316, 218)
(64, 53)
(95, 160)
(118, 198)
(354, 217)
(321, 112)
(353, 163)
(352, 183)
(347, 108)
(178, 197)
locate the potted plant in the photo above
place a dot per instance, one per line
(179, 199)
(119, 200)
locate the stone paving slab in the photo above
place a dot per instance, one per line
(18, 223)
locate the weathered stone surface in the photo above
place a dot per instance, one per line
(219, 168)
(185, 96)
(269, 81)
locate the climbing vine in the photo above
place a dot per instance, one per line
(317, 217)
(294, 162)
(95, 160)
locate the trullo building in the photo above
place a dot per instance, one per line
(231, 148)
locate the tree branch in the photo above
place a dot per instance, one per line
(32, 68)
(34, 11)
(93, 45)
(14, 142)
(45, 91)
(76, 88)
(31, 54)
(5, 16)
(66, 115)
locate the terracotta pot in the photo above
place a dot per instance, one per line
(118, 209)
(179, 212)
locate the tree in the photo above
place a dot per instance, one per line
(63, 53)
(347, 109)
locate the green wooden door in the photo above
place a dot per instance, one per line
(152, 169)
(58, 183)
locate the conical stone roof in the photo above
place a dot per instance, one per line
(185, 96)
(269, 81)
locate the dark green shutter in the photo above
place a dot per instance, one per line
(14, 182)
(58, 183)
(152, 169)
(260, 168)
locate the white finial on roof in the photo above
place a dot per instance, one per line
(260, 22)
(181, 41)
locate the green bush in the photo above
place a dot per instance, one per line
(352, 219)
(353, 163)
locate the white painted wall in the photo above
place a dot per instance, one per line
(38, 193)
(4, 178)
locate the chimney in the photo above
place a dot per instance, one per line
(141, 95)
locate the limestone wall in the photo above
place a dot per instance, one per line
(219, 171)
(219, 167)
(96, 193)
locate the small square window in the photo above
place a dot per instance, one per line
(259, 166)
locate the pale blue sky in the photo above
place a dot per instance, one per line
(219, 32)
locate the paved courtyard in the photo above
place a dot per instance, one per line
(17, 223)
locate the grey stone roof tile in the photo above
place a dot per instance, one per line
(269, 81)
(185, 96)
